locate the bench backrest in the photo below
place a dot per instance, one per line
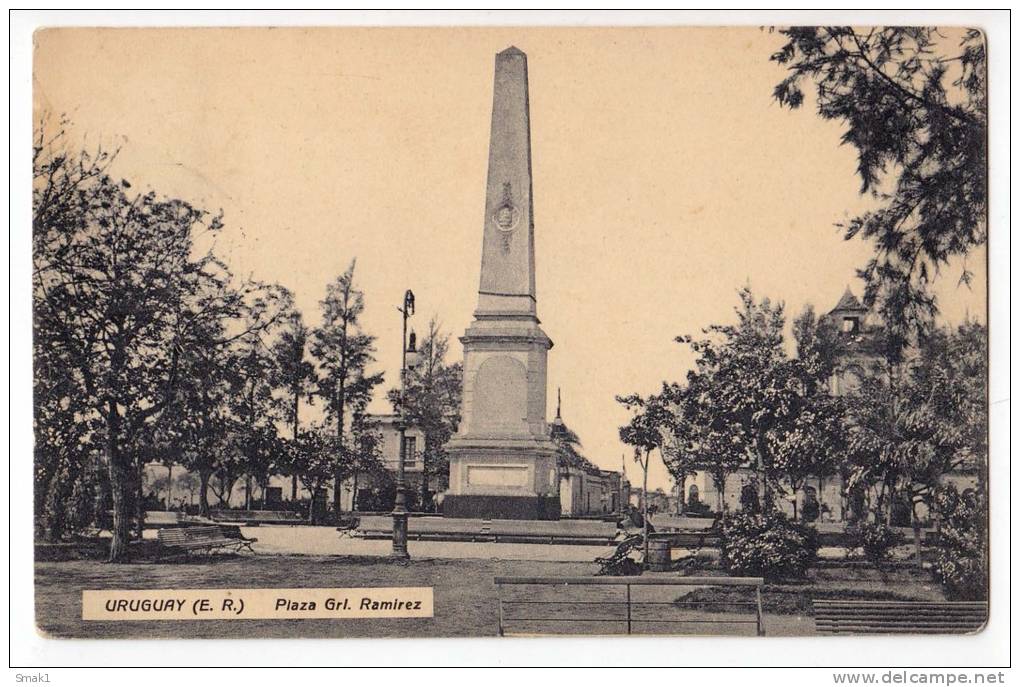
(549, 593)
(178, 536)
(162, 517)
(172, 536)
(257, 515)
(591, 529)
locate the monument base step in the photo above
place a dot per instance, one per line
(501, 507)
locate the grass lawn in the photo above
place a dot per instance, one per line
(465, 597)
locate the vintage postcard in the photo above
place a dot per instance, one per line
(510, 331)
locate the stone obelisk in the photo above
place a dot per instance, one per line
(502, 461)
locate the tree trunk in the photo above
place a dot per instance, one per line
(720, 488)
(794, 502)
(338, 472)
(118, 479)
(917, 536)
(765, 495)
(203, 492)
(118, 544)
(139, 499)
(293, 478)
(169, 484)
(354, 491)
(56, 511)
(424, 490)
(844, 498)
(247, 492)
(644, 504)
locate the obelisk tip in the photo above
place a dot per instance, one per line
(512, 51)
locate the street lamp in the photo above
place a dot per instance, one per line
(400, 503)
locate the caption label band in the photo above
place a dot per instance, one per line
(251, 604)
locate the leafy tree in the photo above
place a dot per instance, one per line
(121, 298)
(343, 353)
(874, 438)
(914, 426)
(312, 459)
(944, 415)
(812, 445)
(112, 276)
(432, 391)
(201, 416)
(679, 438)
(295, 374)
(644, 433)
(819, 348)
(961, 554)
(914, 105)
(227, 470)
(712, 440)
(68, 431)
(949, 391)
(748, 383)
(254, 405)
(363, 453)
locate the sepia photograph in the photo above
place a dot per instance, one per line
(511, 331)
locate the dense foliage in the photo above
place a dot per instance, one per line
(768, 545)
(875, 539)
(961, 554)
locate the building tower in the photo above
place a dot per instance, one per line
(502, 461)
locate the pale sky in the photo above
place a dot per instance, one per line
(665, 178)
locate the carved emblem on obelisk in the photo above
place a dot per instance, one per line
(506, 217)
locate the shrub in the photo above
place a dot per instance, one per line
(876, 539)
(961, 558)
(767, 545)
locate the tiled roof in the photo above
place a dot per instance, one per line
(849, 302)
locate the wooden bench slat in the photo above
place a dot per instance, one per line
(203, 537)
(901, 604)
(835, 616)
(903, 631)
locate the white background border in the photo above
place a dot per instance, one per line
(29, 649)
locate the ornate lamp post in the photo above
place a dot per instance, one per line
(400, 504)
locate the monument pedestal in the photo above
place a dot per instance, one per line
(502, 507)
(503, 462)
(503, 479)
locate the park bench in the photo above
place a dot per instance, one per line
(234, 532)
(619, 563)
(898, 617)
(152, 520)
(162, 518)
(529, 613)
(348, 527)
(590, 532)
(584, 532)
(258, 517)
(184, 540)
